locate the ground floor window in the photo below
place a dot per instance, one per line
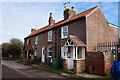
(81, 53)
(35, 53)
(49, 51)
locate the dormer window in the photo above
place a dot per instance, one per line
(50, 35)
(64, 32)
(36, 40)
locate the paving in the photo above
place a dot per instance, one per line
(28, 71)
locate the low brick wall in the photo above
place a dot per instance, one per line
(108, 60)
(65, 65)
(98, 62)
(79, 66)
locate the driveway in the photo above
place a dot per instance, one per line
(28, 71)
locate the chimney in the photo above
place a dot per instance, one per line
(33, 30)
(51, 20)
(69, 12)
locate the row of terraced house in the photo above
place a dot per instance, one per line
(74, 40)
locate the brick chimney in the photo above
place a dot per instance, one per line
(33, 30)
(69, 12)
(51, 20)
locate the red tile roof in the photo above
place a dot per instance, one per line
(63, 21)
(77, 41)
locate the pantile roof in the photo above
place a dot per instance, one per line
(63, 21)
(77, 41)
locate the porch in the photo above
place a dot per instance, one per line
(74, 55)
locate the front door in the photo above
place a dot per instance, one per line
(43, 54)
(70, 57)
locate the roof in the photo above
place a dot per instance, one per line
(77, 41)
(82, 14)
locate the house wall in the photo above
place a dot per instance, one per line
(98, 30)
(99, 61)
(79, 66)
(76, 28)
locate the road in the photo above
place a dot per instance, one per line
(11, 73)
(11, 69)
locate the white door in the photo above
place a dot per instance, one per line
(43, 54)
(70, 58)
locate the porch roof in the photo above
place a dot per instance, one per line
(76, 40)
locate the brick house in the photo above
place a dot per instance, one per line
(74, 41)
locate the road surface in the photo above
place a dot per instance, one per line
(11, 69)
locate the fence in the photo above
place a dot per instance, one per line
(107, 46)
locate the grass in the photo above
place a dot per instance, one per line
(58, 71)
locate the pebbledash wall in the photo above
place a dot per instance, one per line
(91, 29)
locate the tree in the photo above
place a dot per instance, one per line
(5, 49)
(14, 48)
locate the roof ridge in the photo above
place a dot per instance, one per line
(84, 13)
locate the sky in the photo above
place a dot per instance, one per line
(19, 17)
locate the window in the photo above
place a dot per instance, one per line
(36, 40)
(28, 41)
(50, 36)
(64, 32)
(35, 53)
(49, 51)
(81, 53)
(61, 52)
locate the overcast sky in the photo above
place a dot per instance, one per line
(19, 17)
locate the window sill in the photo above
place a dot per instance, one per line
(49, 56)
(64, 37)
(49, 40)
(80, 59)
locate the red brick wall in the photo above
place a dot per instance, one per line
(96, 60)
(98, 30)
(79, 66)
(108, 60)
(65, 65)
(100, 61)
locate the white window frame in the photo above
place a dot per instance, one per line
(50, 35)
(62, 32)
(36, 40)
(62, 52)
(49, 51)
(28, 41)
(35, 53)
(82, 54)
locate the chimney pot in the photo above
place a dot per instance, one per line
(72, 7)
(51, 20)
(33, 30)
(65, 7)
(50, 14)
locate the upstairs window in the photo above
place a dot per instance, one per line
(36, 40)
(28, 41)
(49, 51)
(50, 36)
(64, 32)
